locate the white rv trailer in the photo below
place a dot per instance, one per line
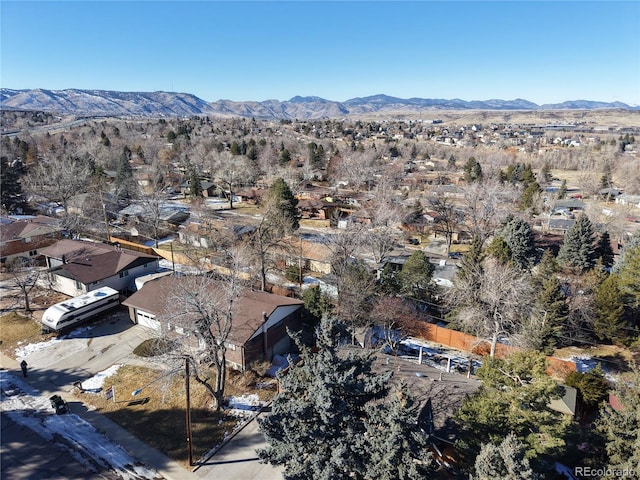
(75, 310)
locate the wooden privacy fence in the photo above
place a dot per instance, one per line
(469, 343)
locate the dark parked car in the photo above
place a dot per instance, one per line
(455, 255)
(59, 405)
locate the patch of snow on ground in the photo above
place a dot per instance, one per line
(244, 405)
(437, 355)
(28, 408)
(26, 350)
(95, 383)
(583, 363)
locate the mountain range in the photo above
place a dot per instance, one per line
(168, 104)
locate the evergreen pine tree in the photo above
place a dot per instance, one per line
(126, 186)
(610, 322)
(628, 270)
(518, 236)
(12, 198)
(397, 449)
(472, 171)
(416, 276)
(195, 187)
(282, 206)
(513, 397)
(551, 311)
(562, 191)
(547, 267)
(506, 461)
(603, 249)
(331, 417)
(545, 173)
(578, 248)
(316, 303)
(621, 426)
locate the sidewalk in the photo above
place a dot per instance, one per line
(169, 469)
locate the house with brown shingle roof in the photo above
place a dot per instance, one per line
(77, 267)
(259, 319)
(24, 237)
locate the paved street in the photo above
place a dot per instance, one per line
(26, 455)
(237, 460)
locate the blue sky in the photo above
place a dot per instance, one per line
(543, 51)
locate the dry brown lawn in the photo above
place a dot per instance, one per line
(157, 414)
(17, 329)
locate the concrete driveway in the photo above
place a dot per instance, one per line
(85, 352)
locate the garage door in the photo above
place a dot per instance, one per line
(147, 320)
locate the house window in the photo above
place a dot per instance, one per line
(33, 252)
(230, 346)
(124, 274)
(79, 285)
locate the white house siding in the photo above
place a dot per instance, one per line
(70, 287)
(67, 286)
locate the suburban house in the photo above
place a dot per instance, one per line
(77, 267)
(303, 251)
(24, 237)
(208, 188)
(93, 206)
(571, 205)
(260, 319)
(167, 214)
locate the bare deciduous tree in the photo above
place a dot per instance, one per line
(232, 172)
(396, 319)
(204, 305)
(486, 205)
(448, 219)
(491, 301)
(25, 275)
(58, 178)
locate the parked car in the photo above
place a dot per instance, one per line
(455, 255)
(59, 404)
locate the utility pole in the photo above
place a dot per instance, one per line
(106, 218)
(188, 411)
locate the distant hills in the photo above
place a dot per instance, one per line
(166, 104)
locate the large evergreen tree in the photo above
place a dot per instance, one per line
(610, 321)
(549, 316)
(578, 248)
(518, 236)
(195, 187)
(505, 461)
(126, 186)
(282, 206)
(628, 270)
(12, 199)
(472, 171)
(621, 426)
(416, 276)
(514, 397)
(604, 252)
(332, 420)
